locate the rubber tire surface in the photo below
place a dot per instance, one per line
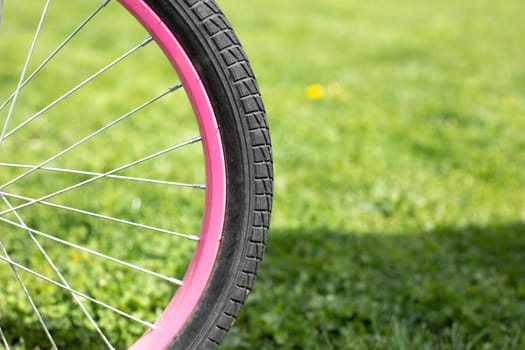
(214, 49)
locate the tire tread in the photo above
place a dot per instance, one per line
(236, 63)
(229, 57)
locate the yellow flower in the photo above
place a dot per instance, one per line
(314, 92)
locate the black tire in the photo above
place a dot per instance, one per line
(211, 44)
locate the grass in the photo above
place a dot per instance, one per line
(399, 207)
(444, 289)
(399, 214)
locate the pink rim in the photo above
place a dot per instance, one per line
(187, 296)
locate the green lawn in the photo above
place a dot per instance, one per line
(399, 216)
(399, 208)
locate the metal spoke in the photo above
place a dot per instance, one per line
(76, 88)
(7, 259)
(4, 129)
(105, 217)
(120, 177)
(2, 335)
(24, 70)
(92, 135)
(57, 50)
(93, 252)
(80, 294)
(57, 271)
(129, 165)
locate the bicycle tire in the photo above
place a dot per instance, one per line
(216, 52)
(217, 62)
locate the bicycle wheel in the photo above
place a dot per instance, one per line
(135, 201)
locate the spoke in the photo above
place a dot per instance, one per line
(2, 335)
(76, 88)
(93, 252)
(7, 259)
(24, 70)
(59, 274)
(57, 50)
(129, 165)
(80, 294)
(120, 177)
(92, 135)
(4, 129)
(105, 217)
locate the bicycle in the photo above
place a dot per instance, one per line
(152, 219)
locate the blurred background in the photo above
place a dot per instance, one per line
(399, 213)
